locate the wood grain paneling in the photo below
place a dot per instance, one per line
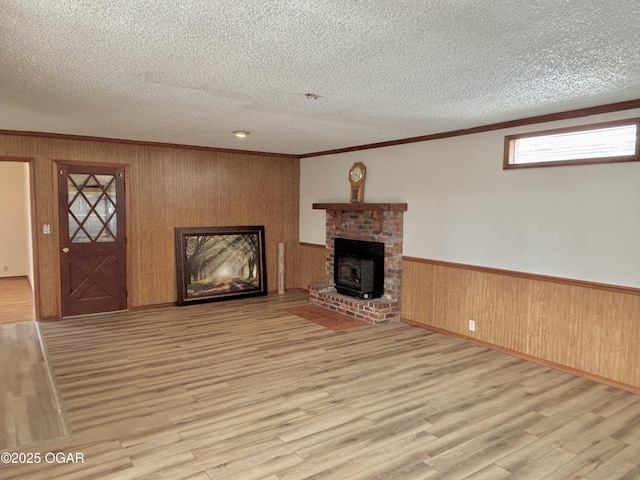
(589, 330)
(313, 259)
(166, 188)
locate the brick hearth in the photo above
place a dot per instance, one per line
(372, 222)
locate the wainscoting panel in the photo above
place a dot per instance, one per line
(312, 264)
(591, 330)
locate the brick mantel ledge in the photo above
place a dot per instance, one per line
(376, 210)
(362, 207)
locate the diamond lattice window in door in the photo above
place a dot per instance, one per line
(92, 208)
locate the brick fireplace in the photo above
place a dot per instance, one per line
(373, 222)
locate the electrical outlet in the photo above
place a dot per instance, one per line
(5, 269)
(472, 325)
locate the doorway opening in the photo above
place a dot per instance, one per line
(17, 273)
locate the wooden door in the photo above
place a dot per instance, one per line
(92, 239)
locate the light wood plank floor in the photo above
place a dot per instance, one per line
(243, 390)
(30, 411)
(16, 300)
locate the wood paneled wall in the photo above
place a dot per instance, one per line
(594, 331)
(313, 258)
(165, 188)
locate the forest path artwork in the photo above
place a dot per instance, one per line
(215, 263)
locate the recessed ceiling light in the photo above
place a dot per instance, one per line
(240, 133)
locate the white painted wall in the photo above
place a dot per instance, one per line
(15, 221)
(580, 222)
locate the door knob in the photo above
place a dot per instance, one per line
(65, 250)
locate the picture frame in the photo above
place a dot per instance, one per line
(220, 263)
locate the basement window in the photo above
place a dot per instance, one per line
(598, 143)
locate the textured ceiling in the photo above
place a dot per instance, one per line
(190, 72)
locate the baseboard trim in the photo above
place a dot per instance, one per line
(312, 245)
(175, 304)
(151, 306)
(556, 366)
